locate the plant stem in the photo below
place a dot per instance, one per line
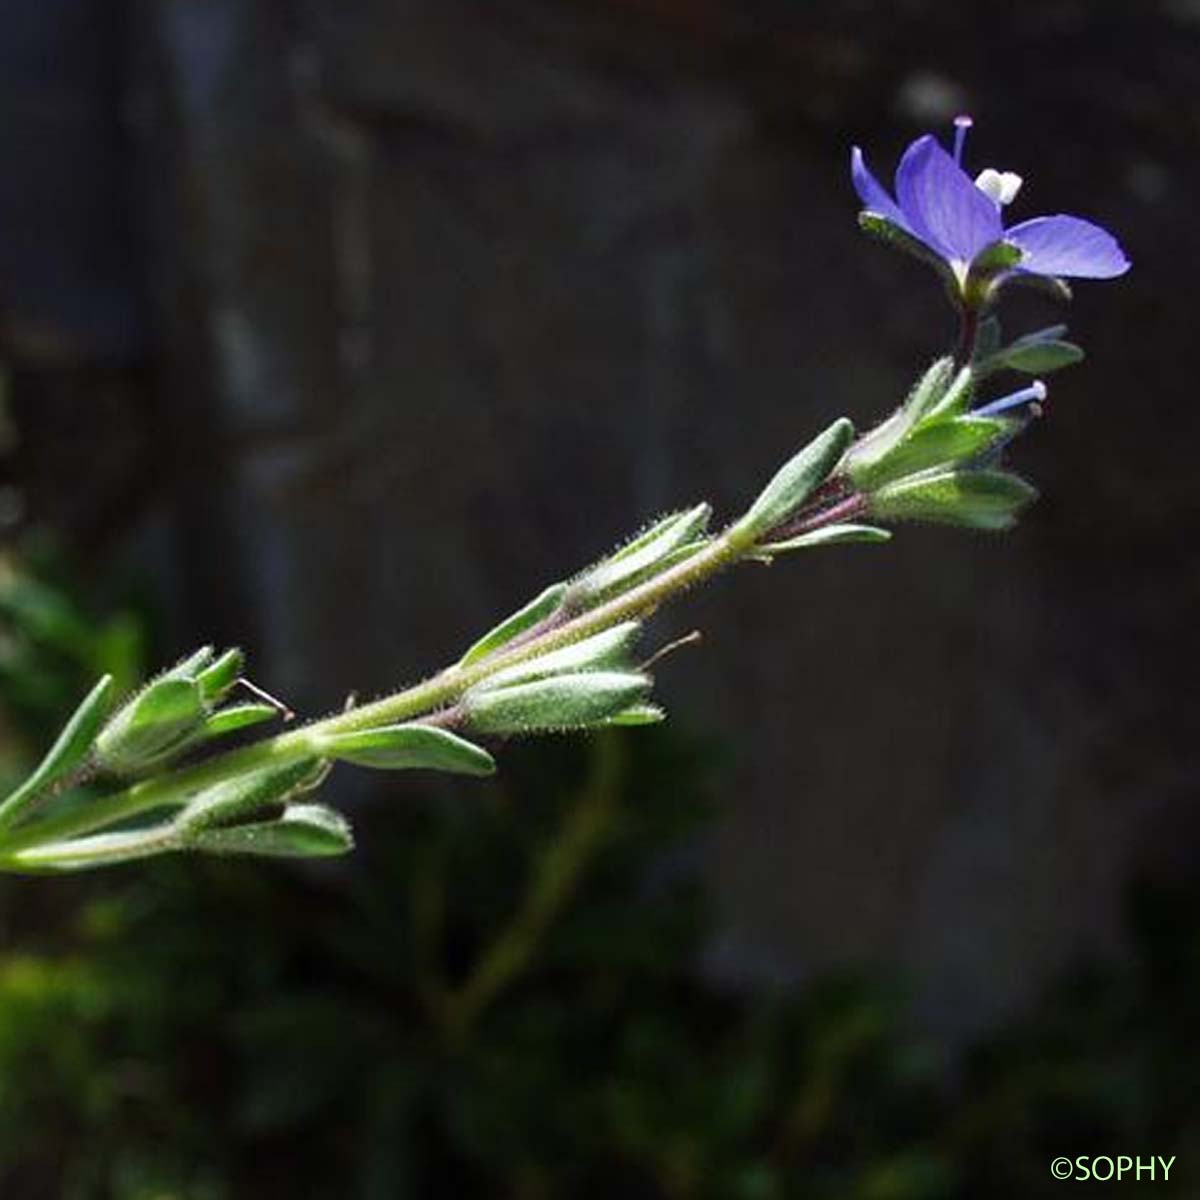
(438, 692)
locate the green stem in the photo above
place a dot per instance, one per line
(177, 787)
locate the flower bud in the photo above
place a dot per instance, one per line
(160, 720)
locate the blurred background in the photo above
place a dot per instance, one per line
(336, 330)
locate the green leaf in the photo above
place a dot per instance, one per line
(237, 716)
(69, 750)
(407, 747)
(796, 481)
(303, 831)
(890, 233)
(989, 338)
(560, 703)
(156, 722)
(608, 650)
(831, 535)
(975, 499)
(639, 714)
(666, 542)
(929, 389)
(217, 679)
(525, 618)
(933, 443)
(956, 399)
(245, 795)
(99, 850)
(1040, 358)
(190, 667)
(926, 395)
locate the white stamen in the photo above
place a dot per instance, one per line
(961, 125)
(1001, 187)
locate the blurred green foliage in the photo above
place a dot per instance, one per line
(500, 997)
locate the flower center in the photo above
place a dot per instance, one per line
(1001, 187)
(961, 125)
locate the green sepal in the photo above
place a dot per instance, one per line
(237, 716)
(245, 795)
(157, 722)
(925, 395)
(1036, 358)
(977, 499)
(189, 668)
(407, 747)
(988, 338)
(934, 443)
(831, 535)
(1049, 285)
(303, 831)
(795, 482)
(538, 609)
(889, 232)
(609, 650)
(560, 703)
(956, 399)
(637, 715)
(70, 749)
(216, 680)
(999, 256)
(666, 542)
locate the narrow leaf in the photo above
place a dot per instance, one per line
(796, 481)
(831, 535)
(303, 831)
(407, 747)
(69, 750)
(608, 650)
(245, 795)
(1041, 358)
(525, 618)
(663, 544)
(237, 716)
(98, 850)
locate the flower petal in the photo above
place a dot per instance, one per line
(1068, 246)
(872, 193)
(942, 204)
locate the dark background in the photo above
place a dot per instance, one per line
(336, 330)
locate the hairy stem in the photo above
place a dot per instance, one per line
(433, 696)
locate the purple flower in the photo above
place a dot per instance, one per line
(958, 219)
